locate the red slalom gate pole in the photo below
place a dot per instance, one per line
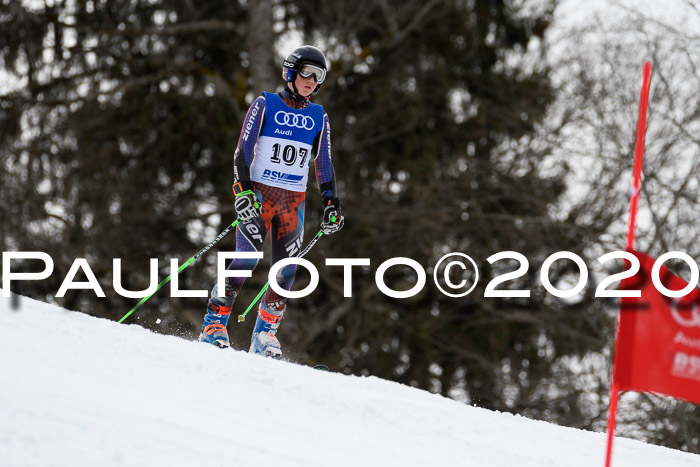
(634, 202)
(612, 421)
(639, 152)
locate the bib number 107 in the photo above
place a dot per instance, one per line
(288, 154)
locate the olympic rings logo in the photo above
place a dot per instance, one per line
(692, 321)
(294, 120)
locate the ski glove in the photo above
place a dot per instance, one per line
(333, 220)
(247, 204)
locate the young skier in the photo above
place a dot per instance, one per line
(281, 134)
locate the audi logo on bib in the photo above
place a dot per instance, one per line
(691, 321)
(294, 120)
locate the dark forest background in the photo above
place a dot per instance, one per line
(451, 131)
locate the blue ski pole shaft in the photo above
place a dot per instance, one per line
(181, 268)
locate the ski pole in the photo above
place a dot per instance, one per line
(241, 318)
(190, 261)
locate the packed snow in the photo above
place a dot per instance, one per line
(81, 391)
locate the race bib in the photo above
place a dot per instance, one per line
(283, 150)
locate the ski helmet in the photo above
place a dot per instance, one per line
(295, 61)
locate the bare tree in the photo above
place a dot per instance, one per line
(591, 128)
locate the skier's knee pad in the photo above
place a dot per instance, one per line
(285, 277)
(228, 298)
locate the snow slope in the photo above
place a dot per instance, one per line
(81, 391)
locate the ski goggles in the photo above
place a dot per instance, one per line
(307, 71)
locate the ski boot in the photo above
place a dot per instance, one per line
(215, 321)
(264, 342)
